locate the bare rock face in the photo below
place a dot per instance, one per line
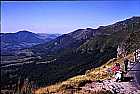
(120, 52)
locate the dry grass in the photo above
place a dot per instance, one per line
(80, 80)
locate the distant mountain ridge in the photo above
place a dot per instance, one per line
(23, 39)
(50, 36)
(21, 36)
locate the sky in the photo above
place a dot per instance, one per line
(64, 16)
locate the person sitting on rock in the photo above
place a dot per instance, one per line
(116, 71)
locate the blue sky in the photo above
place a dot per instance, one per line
(64, 16)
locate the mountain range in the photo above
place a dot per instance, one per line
(78, 38)
(72, 54)
(83, 49)
(23, 39)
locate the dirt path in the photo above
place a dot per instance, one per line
(114, 87)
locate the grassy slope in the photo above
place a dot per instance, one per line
(78, 81)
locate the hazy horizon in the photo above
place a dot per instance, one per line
(63, 16)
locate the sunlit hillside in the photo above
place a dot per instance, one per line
(80, 80)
